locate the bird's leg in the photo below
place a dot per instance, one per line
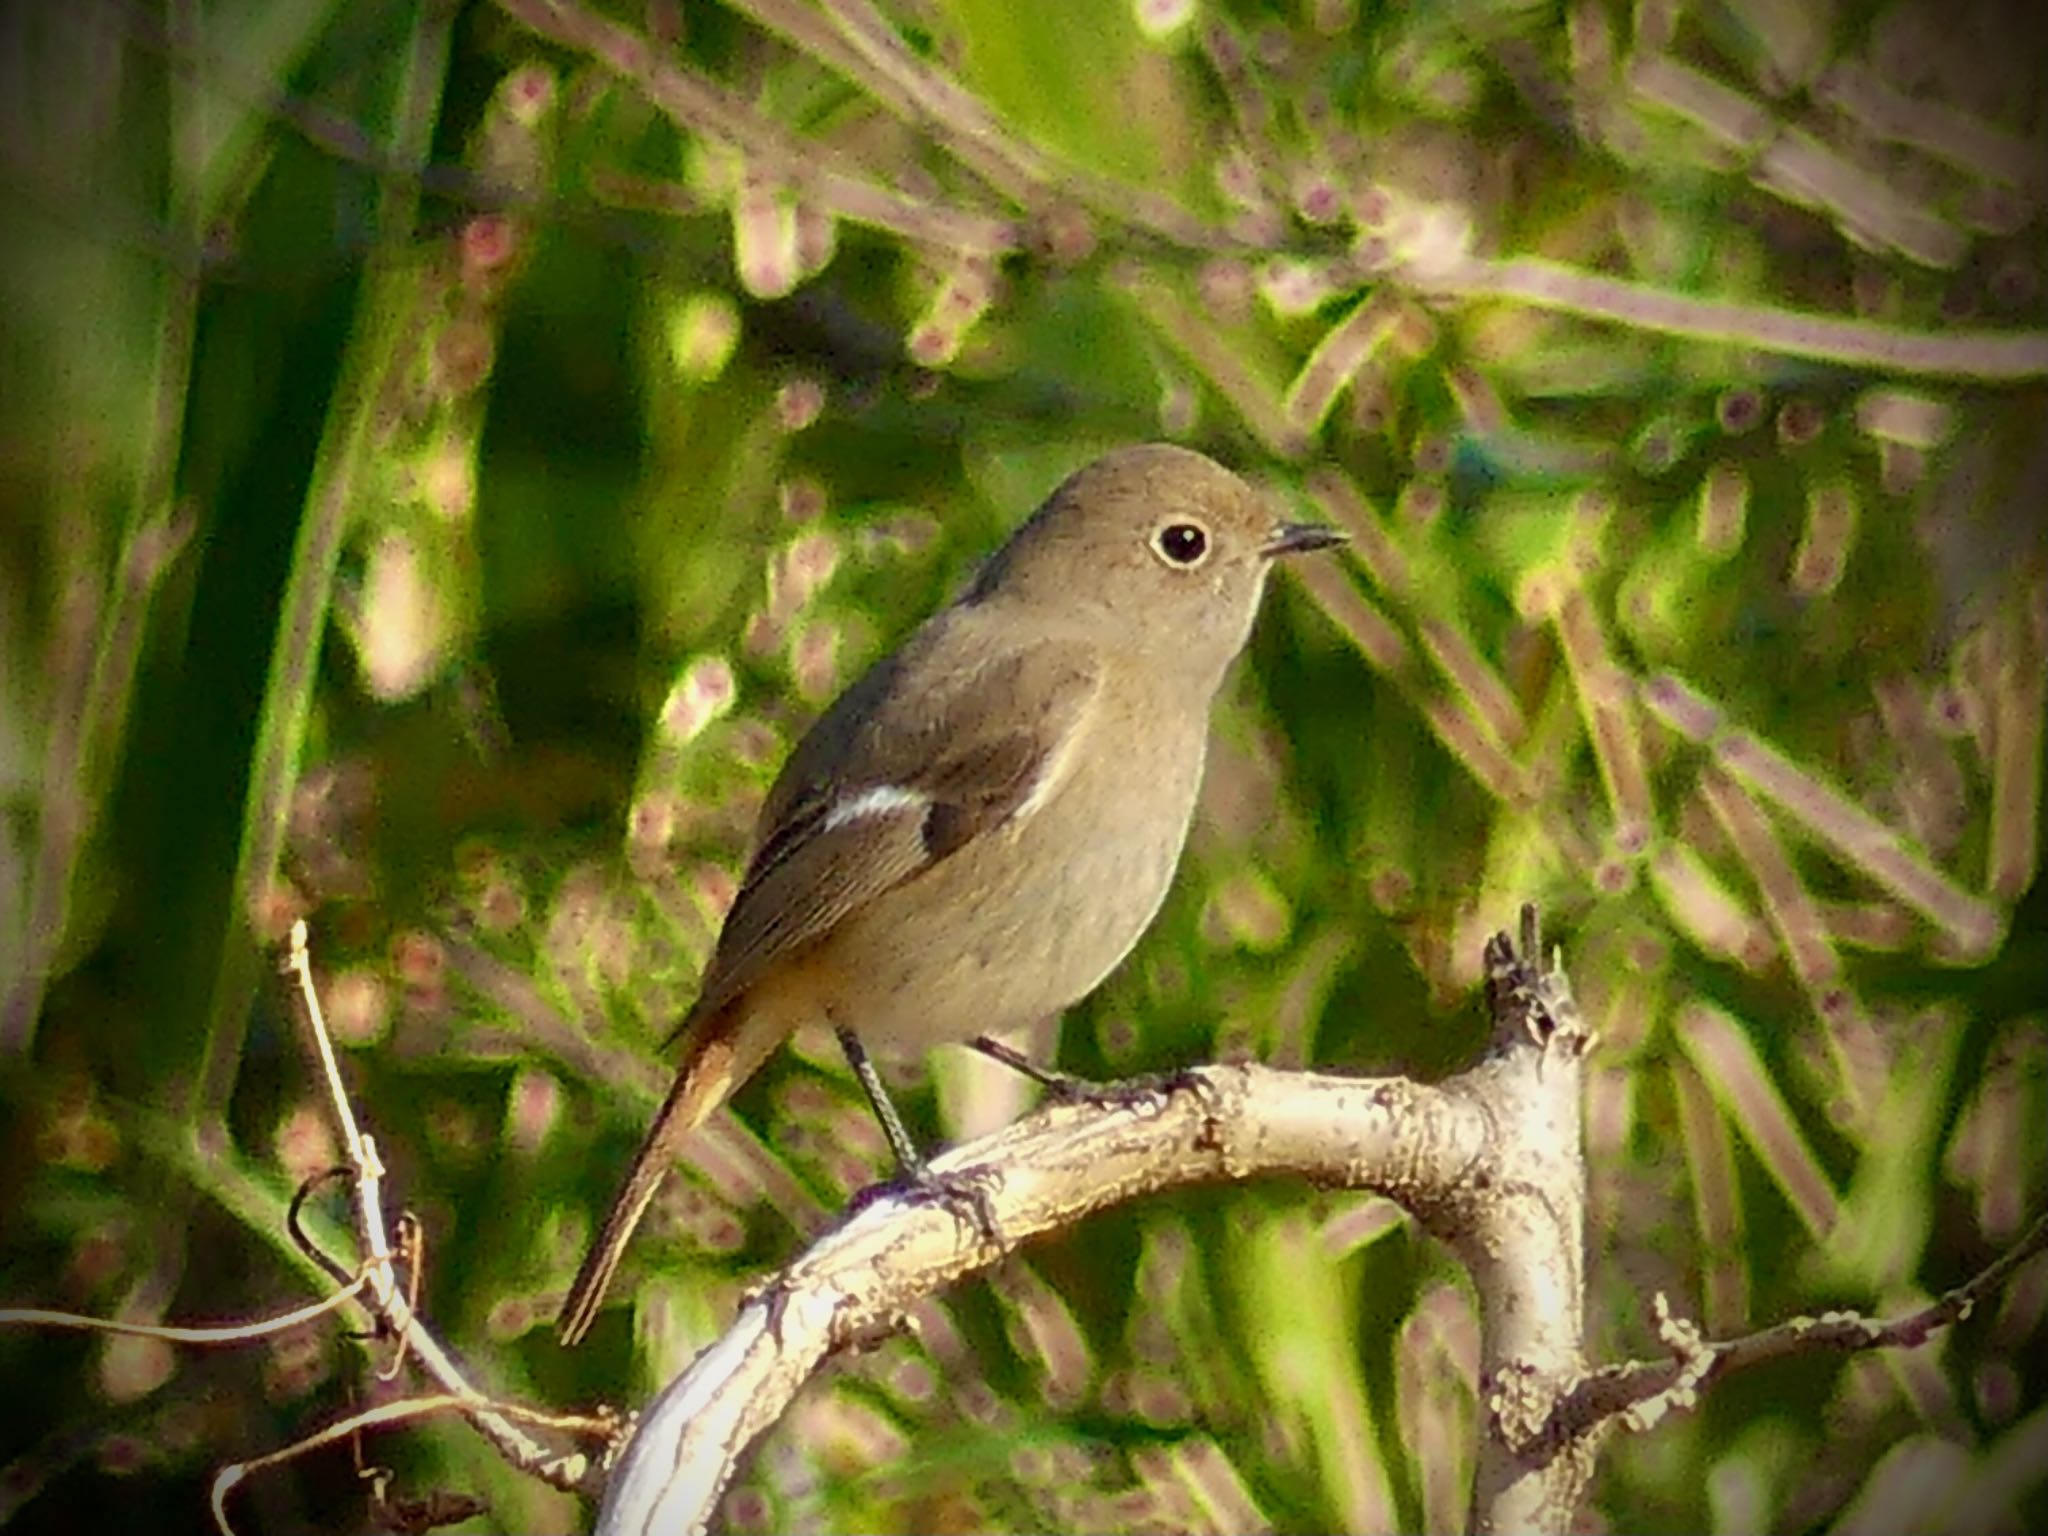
(1069, 1089)
(961, 1191)
(910, 1165)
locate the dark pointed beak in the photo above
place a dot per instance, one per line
(1300, 538)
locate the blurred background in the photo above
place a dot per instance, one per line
(449, 451)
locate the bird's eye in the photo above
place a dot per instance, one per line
(1182, 543)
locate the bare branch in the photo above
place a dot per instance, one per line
(1519, 1225)
(227, 1333)
(1057, 1167)
(402, 1411)
(1442, 1151)
(1642, 1392)
(394, 1307)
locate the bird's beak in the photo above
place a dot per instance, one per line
(1300, 538)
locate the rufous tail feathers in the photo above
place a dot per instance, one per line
(700, 1087)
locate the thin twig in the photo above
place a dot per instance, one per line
(230, 79)
(299, 1235)
(1641, 1392)
(1345, 348)
(955, 116)
(412, 1246)
(389, 1303)
(236, 1333)
(402, 1411)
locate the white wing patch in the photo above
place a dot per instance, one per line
(882, 800)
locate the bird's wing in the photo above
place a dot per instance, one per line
(891, 782)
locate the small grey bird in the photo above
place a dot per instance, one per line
(978, 831)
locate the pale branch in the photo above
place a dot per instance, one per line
(1336, 360)
(1639, 1393)
(1518, 1223)
(182, 1333)
(374, 1287)
(391, 1305)
(1045, 1172)
(1439, 1150)
(231, 1477)
(412, 1242)
(398, 1411)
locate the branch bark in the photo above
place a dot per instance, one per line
(1488, 1160)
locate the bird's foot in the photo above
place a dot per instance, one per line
(965, 1192)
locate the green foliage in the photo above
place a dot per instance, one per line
(449, 464)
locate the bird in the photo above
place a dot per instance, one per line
(979, 829)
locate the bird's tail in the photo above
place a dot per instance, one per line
(707, 1075)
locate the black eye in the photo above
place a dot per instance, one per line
(1182, 543)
